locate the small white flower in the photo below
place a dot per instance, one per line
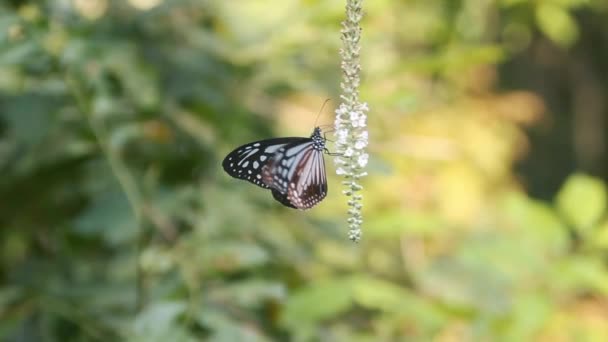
(357, 120)
(360, 144)
(342, 135)
(362, 139)
(340, 171)
(349, 152)
(362, 160)
(341, 109)
(361, 121)
(340, 161)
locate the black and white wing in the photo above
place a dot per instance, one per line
(247, 161)
(292, 168)
(282, 198)
(310, 182)
(297, 176)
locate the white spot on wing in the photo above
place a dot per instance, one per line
(272, 148)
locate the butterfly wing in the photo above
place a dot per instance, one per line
(310, 182)
(297, 176)
(281, 198)
(292, 168)
(247, 161)
(280, 170)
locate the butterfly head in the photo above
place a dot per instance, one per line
(317, 139)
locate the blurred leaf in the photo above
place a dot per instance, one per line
(156, 323)
(230, 256)
(7, 296)
(138, 79)
(580, 274)
(537, 223)
(156, 260)
(557, 23)
(462, 282)
(109, 216)
(155, 316)
(378, 294)
(18, 53)
(28, 117)
(249, 293)
(225, 328)
(576, 322)
(530, 314)
(582, 201)
(337, 254)
(122, 135)
(600, 236)
(374, 293)
(570, 4)
(321, 300)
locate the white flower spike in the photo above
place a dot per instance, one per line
(351, 117)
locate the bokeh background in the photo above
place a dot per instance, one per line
(485, 208)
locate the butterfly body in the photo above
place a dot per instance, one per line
(292, 168)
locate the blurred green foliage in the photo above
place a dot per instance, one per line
(117, 223)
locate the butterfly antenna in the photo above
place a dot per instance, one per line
(321, 110)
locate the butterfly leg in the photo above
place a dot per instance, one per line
(332, 153)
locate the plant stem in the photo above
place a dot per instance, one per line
(123, 176)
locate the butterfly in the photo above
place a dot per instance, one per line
(292, 168)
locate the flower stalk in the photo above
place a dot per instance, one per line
(351, 119)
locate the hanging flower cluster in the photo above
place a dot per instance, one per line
(351, 116)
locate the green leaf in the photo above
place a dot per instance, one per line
(225, 328)
(476, 276)
(28, 117)
(536, 223)
(600, 236)
(582, 201)
(249, 293)
(156, 320)
(580, 274)
(8, 295)
(530, 313)
(109, 215)
(378, 294)
(557, 23)
(231, 256)
(320, 301)
(17, 53)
